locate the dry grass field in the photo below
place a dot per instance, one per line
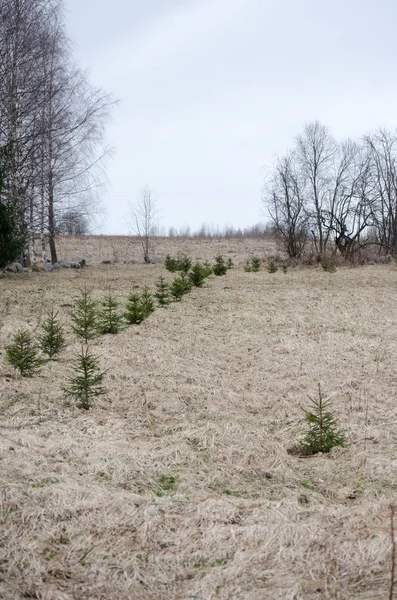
(179, 484)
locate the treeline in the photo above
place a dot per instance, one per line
(335, 196)
(211, 231)
(51, 129)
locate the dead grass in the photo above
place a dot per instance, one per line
(118, 249)
(179, 483)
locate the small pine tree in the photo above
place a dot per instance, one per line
(87, 383)
(110, 319)
(248, 267)
(187, 284)
(171, 264)
(85, 318)
(184, 264)
(285, 269)
(52, 338)
(220, 267)
(22, 355)
(255, 264)
(134, 313)
(179, 287)
(323, 433)
(272, 267)
(162, 292)
(207, 268)
(147, 302)
(229, 263)
(197, 275)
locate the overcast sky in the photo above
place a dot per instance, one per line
(211, 90)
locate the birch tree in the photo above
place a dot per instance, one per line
(143, 218)
(51, 117)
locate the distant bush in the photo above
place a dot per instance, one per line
(328, 265)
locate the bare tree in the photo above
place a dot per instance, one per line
(285, 204)
(335, 192)
(73, 223)
(351, 207)
(143, 217)
(316, 152)
(382, 147)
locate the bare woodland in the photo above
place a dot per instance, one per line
(338, 197)
(51, 125)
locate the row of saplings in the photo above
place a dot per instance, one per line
(89, 320)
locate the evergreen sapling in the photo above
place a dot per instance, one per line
(52, 338)
(22, 355)
(179, 287)
(184, 264)
(87, 383)
(248, 267)
(147, 302)
(162, 292)
(323, 433)
(255, 264)
(134, 313)
(207, 268)
(220, 267)
(171, 264)
(85, 317)
(110, 319)
(197, 275)
(272, 267)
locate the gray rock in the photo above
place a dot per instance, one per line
(79, 260)
(14, 267)
(131, 262)
(155, 259)
(48, 267)
(67, 264)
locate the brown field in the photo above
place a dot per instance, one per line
(210, 392)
